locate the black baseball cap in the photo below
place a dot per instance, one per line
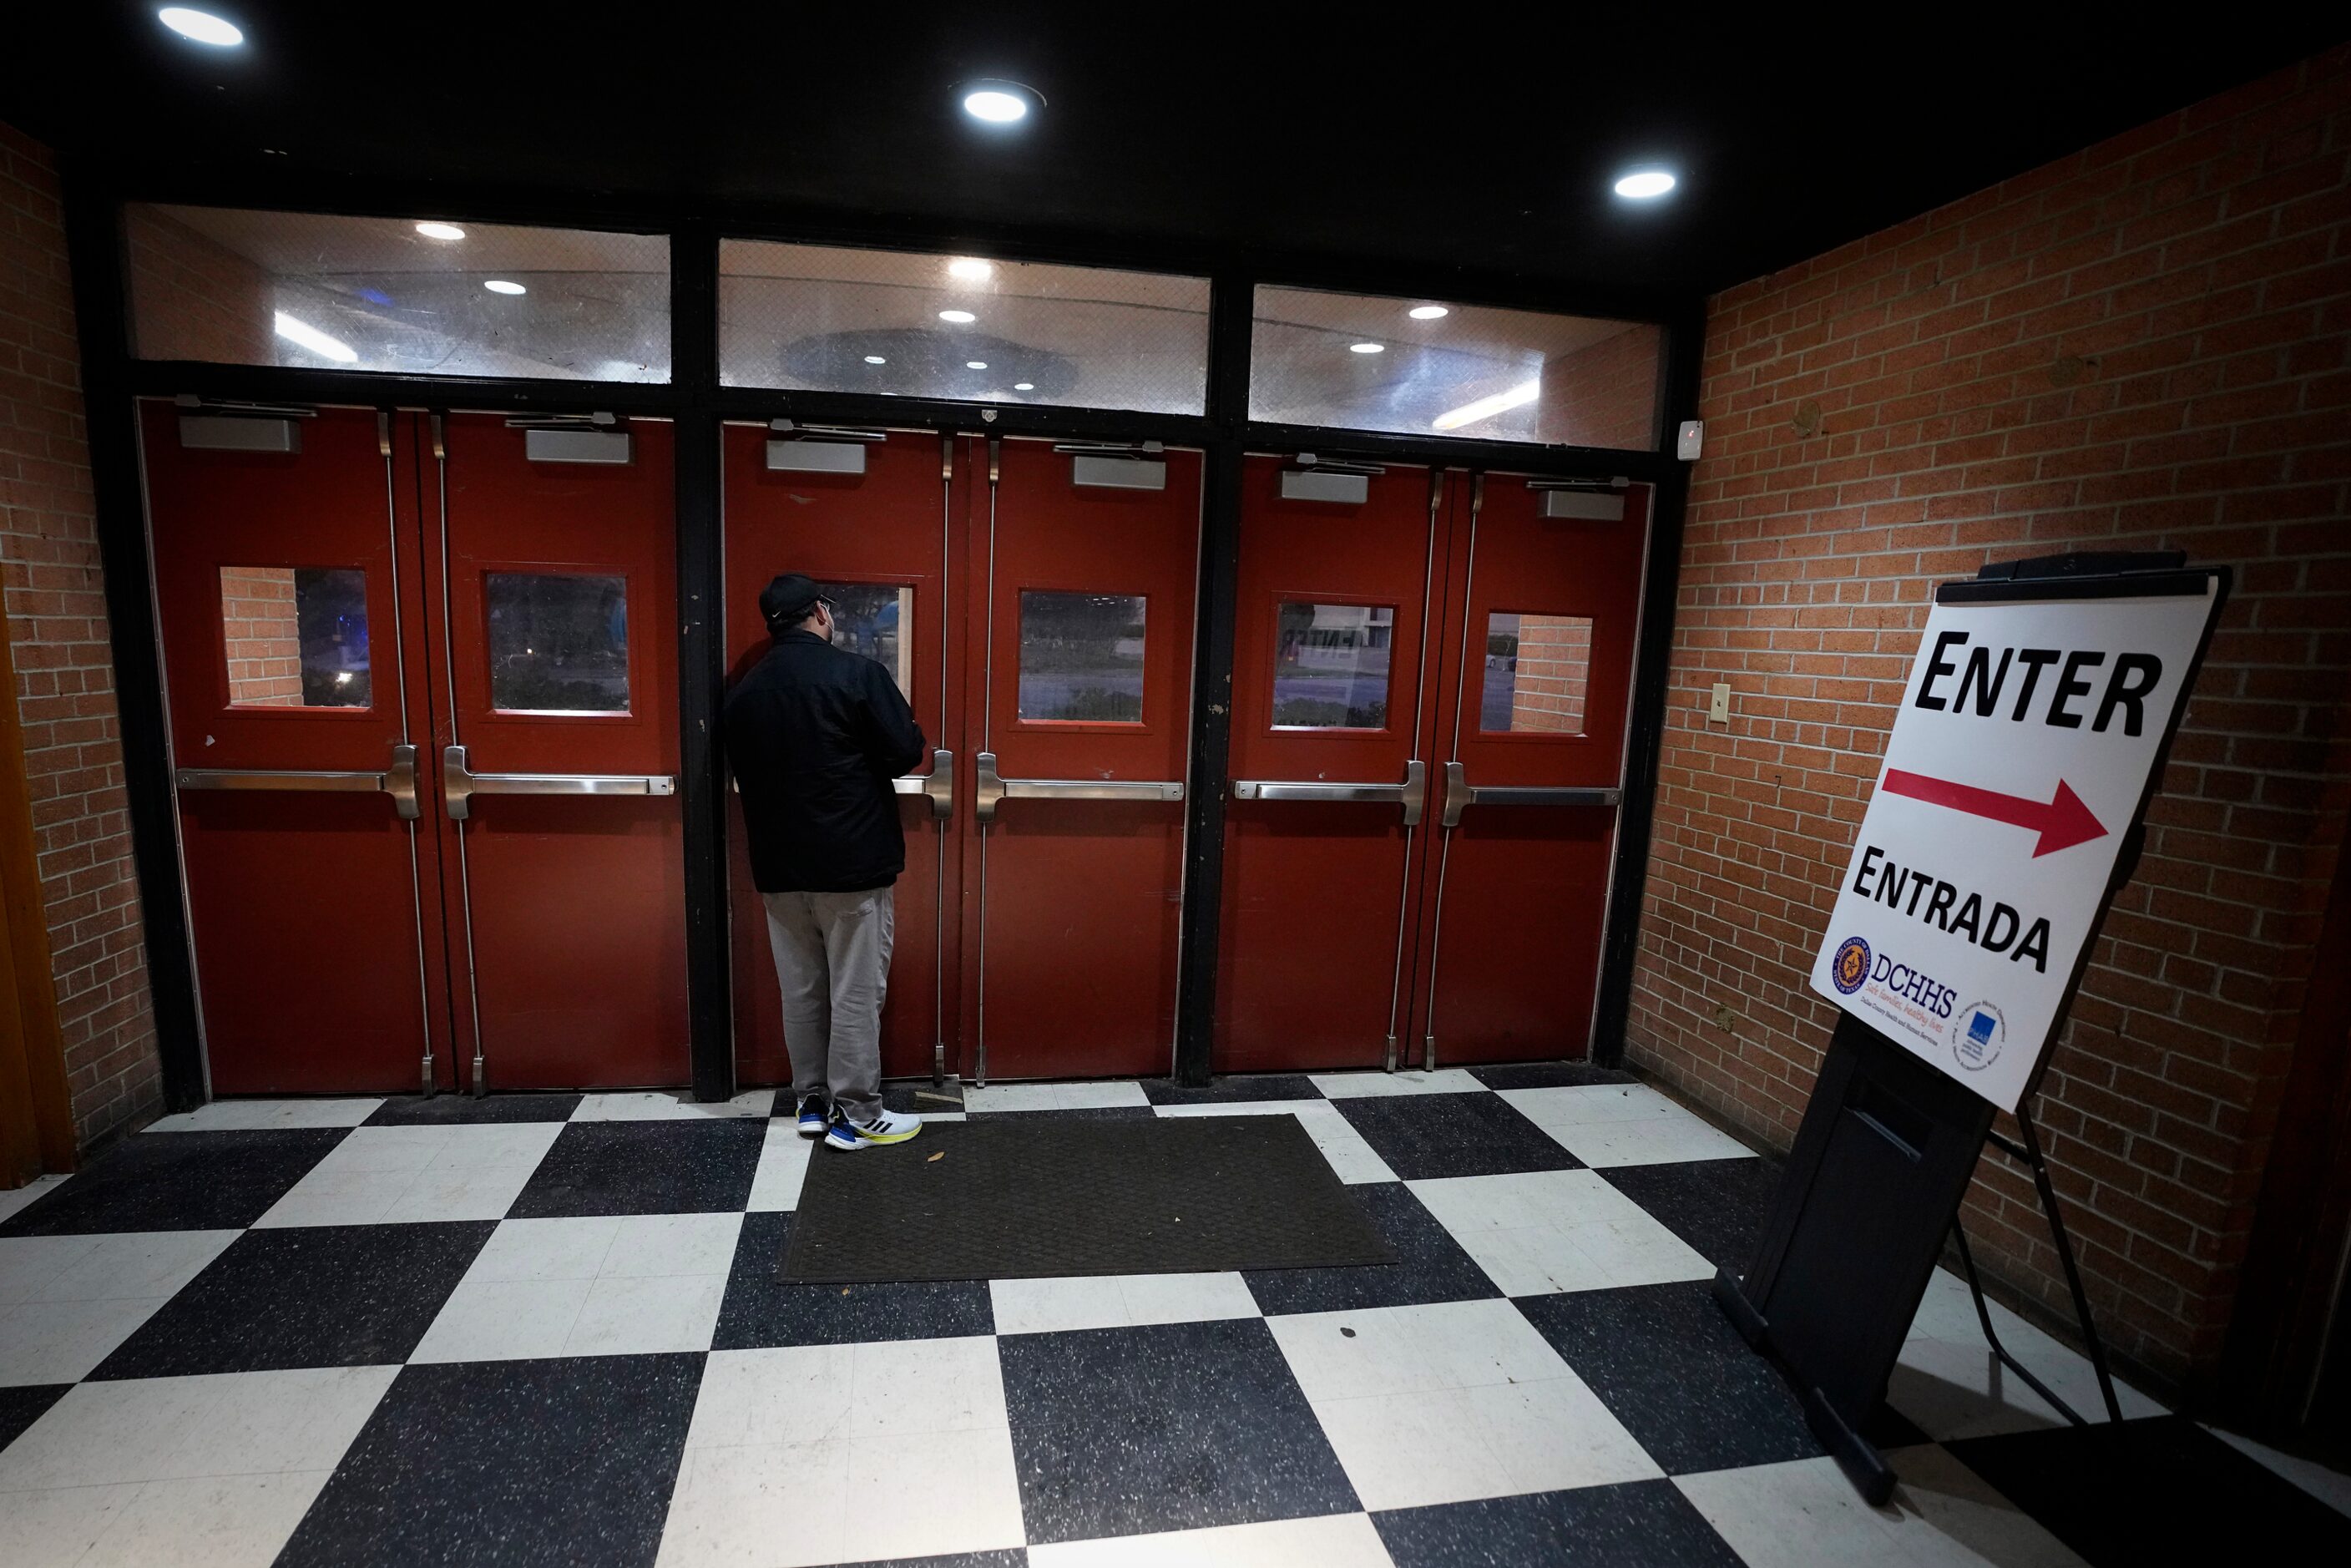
(786, 600)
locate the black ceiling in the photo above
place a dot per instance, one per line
(1458, 144)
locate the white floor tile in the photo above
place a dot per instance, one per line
(184, 1428)
(415, 1174)
(55, 1528)
(1543, 1232)
(17, 1198)
(63, 1342)
(783, 1166)
(132, 1265)
(1352, 1159)
(2332, 1488)
(1406, 1350)
(504, 1319)
(1334, 1540)
(662, 1244)
(1351, 1085)
(1406, 1450)
(1055, 1096)
(1805, 1514)
(1949, 1385)
(670, 1105)
(260, 1115)
(1590, 1105)
(215, 1521)
(645, 1315)
(612, 1285)
(1121, 1301)
(795, 1456)
(1666, 1141)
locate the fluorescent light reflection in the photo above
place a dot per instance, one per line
(971, 269)
(501, 286)
(1518, 396)
(960, 318)
(440, 231)
(317, 342)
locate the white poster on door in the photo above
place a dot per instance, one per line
(2015, 767)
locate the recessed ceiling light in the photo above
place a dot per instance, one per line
(1645, 184)
(959, 318)
(970, 269)
(1368, 348)
(441, 231)
(501, 286)
(975, 364)
(999, 102)
(1488, 407)
(201, 26)
(1427, 312)
(875, 359)
(1024, 386)
(299, 332)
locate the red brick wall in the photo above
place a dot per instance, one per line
(1605, 394)
(261, 630)
(193, 297)
(55, 612)
(2141, 346)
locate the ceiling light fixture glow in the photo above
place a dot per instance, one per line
(975, 364)
(1518, 396)
(298, 331)
(440, 231)
(1024, 386)
(1368, 348)
(501, 286)
(201, 26)
(875, 359)
(999, 102)
(960, 318)
(1427, 312)
(970, 269)
(1645, 184)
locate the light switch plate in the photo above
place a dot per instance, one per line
(1718, 706)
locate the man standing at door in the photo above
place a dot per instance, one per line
(815, 735)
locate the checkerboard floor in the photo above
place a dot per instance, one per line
(548, 1328)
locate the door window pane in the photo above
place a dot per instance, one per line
(1082, 657)
(826, 318)
(876, 620)
(295, 636)
(1537, 669)
(1419, 367)
(243, 287)
(558, 641)
(1331, 666)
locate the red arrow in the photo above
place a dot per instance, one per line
(2062, 824)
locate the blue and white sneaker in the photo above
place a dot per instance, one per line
(812, 1115)
(888, 1127)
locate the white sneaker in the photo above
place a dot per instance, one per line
(886, 1127)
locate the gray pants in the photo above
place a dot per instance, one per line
(832, 959)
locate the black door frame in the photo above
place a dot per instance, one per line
(113, 381)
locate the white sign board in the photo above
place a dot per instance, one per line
(2017, 764)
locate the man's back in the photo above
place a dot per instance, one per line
(815, 735)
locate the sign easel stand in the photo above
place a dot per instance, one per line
(1895, 1126)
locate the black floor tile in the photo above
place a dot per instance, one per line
(1011, 1557)
(761, 1309)
(327, 1295)
(1173, 1426)
(1425, 1135)
(1430, 1265)
(1668, 1364)
(563, 1461)
(1074, 1113)
(178, 1181)
(1236, 1089)
(1634, 1524)
(915, 1097)
(2161, 1489)
(699, 1166)
(22, 1406)
(467, 1110)
(1547, 1075)
(1716, 1206)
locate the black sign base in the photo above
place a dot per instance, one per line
(1880, 1165)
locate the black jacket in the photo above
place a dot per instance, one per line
(815, 734)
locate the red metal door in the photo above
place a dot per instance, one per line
(1083, 581)
(290, 596)
(1534, 680)
(874, 521)
(555, 614)
(1330, 752)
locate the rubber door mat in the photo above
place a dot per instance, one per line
(1030, 1198)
